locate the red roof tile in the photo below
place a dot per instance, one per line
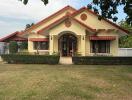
(92, 12)
(102, 37)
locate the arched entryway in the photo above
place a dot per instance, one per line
(67, 44)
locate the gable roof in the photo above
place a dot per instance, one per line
(63, 19)
(48, 18)
(13, 36)
(75, 12)
(92, 12)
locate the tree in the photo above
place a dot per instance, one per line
(125, 41)
(108, 8)
(29, 25)
(26, 1)
(23, 46)
(13, 47)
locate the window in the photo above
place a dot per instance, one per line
(41, 45)
(100, 46)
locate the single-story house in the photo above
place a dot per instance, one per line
(70, 31)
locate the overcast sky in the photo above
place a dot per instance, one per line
(14, 15)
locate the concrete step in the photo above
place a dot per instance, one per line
(66, 60)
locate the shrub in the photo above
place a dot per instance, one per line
(100, 60)
(30, 59)
(23, 46)
(13, 47)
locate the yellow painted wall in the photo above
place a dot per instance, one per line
(82, 44)
(79, 31)
(30, 43)
(93, 21)
(113, 43)
(75, 28)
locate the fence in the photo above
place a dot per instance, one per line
(125, 52)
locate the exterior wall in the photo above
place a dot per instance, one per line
(83, 42)
(113, 44)
(56, 43)
(93, 21)
(125, 52)
(87, 49)
(79, 44)
(52, 20)
(30, 43)
(75, 28)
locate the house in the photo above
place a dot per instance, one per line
(70, 31)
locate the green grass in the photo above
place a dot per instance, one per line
(65, 82)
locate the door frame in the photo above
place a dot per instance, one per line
(60, 44)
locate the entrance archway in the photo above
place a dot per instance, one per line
(67, 44)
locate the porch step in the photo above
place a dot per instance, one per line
(66, 60)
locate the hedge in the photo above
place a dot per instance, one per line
(99, 60)
(30, 59)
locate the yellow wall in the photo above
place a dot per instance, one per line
(113, 43)
(75, 28)
(30, 43)
(79, 31)
(93, 21)
(83, 42)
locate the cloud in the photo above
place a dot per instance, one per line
(14, 15)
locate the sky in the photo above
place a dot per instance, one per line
(14, 15)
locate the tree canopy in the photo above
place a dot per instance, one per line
(108, 8)
(125, 41)
(29, 25)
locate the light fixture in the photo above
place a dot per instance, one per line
(83, 37)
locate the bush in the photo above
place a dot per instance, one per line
(23, 46)
(30, 59)
(100, 60)
(13, 47)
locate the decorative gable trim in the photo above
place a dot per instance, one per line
(90, 11)
(61, 20)
(48, 18)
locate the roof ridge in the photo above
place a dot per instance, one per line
(63, 18)
(45, 19)
(108, 21)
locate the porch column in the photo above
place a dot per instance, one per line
(83, 45)
(51, 44)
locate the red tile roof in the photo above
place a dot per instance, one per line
(102, 37)
(55, 14)
(62, 19)
(50, 17)
(92, 12)
(39, 39)
(14, 37)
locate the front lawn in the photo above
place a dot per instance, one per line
(65, 82)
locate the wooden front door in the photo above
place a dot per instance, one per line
(68, 43)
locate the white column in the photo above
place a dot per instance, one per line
(51, 44)
(83, 45)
